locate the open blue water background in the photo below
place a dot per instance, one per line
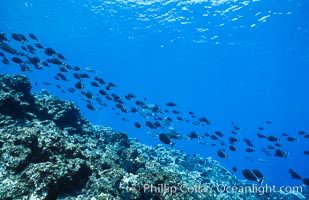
(232, 61)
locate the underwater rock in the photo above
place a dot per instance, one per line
(49, 151)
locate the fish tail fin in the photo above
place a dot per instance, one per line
(172, 144)
(260, 181)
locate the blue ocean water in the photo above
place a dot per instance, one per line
(231, 61)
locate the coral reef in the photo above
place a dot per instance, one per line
(48, 151)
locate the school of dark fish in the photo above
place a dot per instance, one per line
(96, 92)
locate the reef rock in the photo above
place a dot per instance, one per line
(49, 151)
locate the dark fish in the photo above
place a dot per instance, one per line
(118, 105)
(102, 92)
(115, 96)
(169, 119)
(100, 80)
(222, 154)
(55, 61)
(234, 133)
(301, 132)
(77, 68)
(233, 139)
(30, 47)
(139, 103)
(260, 128)
(127, 97)
(131, 95)
(76, 75)
(258, 173)
(79, 85)
(204, 119)
(191, 113)
(5, 61)
(45, 63)
(17, 37)
(38, 45)
(278, 144)
(272, 138)
(63, 69)
(157, 124)
(111, 84)
(176, 112)
(250, 144)
(24, 67)
(7, 48)
(60, 56)
(69, 67)
(150, 124)
(165, 139)
(206, 134)
(219, 133)
(124, 110)
(94, 84)
(62, 76)
(280, 153)
(90, 107)
(17, 60)
(196, 123)
(32, 36)
(49, 51)
(108, 98)
(248, 174)
(23, 37)
(88, 95)
(46, 83)
(137, 125)
(214, 137)
(2, 54)
(34, 60)
(84, 75)
(291, 139)
(71, 90)
(306, 136)
(294, 174)
(260, 135)
(236, 127)
(284, 134)
(270, 147)
(234, 169)
(232, 148)
(193, 135)
(268, 122)
(133, 110)
(24, 48)
(171, 104)
(2, 37)
(249, 150)
(179, 118)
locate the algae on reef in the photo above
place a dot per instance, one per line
(49, 151)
